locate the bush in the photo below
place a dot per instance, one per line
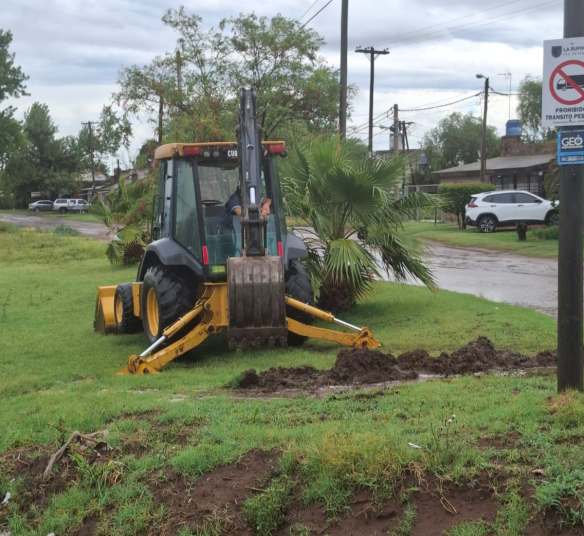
(548, 233)
(65, 230)
(457, 196)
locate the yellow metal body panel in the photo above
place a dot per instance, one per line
(136, 302)
(105, 319)
(170, 150)
(213, 313)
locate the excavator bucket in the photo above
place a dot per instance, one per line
(105, 320)
(257, 310)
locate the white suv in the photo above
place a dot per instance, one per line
(490, 210)
(70, 205)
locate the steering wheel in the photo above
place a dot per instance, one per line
(211, 202)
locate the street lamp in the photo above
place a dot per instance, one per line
(484, 130)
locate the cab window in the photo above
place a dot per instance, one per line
(185, 224)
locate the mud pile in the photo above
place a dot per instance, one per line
(363, 367)
(476, 356)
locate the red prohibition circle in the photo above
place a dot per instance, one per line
(559, 70)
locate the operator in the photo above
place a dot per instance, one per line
(233, 207)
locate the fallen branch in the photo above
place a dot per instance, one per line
(94, 438)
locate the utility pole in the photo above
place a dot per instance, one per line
(344, 47)
(484, 129)
(89, 125)
(372, 57)
(396, 133)
(570, 288)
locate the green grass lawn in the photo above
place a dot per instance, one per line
(88, 217)
(502, 240)
(58, 376)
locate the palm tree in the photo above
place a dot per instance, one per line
(354, 217)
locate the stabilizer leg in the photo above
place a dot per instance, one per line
(212, 313)
(360, 338)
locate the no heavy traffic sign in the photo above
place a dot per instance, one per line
(563, 83)
(568, 77)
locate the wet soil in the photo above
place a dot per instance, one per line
(367, 367)
(218, 495)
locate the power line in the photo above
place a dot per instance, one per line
(308, 10)
(428, 35)
(406, 35)
(421, 109)
(317, 14)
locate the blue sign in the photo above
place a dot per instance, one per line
(514, 128)
(571, 147)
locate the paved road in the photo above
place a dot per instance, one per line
(493, 275)
(496, 276)
(92, 229)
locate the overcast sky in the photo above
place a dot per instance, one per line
(73, 50)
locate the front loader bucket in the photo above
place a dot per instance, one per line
(105, 320)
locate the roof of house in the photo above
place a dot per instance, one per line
(502, 162)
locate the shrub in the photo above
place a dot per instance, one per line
(456, 196)
(65, 230)
(548, 233)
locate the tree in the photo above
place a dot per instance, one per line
(456, 139)
(279, 58)
(354, 217)
(106, 138)
(43, 162)
(12, 84)
(12, 78)
(195, 88)
(529, 109)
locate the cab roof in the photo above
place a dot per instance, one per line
(170, 150)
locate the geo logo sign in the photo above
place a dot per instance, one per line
(570, 147)
(563, 83)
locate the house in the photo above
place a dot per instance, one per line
(521, 166)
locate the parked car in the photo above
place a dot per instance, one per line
(490, 210)
(70, 205)
(41, 205)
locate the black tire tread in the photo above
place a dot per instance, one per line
(175, 296)
(129, 323)
(298, 286)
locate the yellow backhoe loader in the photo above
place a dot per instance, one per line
(221, 260)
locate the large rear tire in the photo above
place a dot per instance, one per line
(166, 296)
(298, 287)
(126, 322)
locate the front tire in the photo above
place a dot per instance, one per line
(298, 286)
(166, 297)
(552, 218)
(62, 210)
(126, 322)
(487, 224)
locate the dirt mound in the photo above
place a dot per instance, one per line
(476, 356)
(367, 366)
(363, 366)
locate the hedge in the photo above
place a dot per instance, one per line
(456, 196)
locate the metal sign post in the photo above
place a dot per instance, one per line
(563, 107)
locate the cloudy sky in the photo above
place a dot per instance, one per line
(73, 50)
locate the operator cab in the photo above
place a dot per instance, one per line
(196, 183)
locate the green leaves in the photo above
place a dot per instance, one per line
(352, 204)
